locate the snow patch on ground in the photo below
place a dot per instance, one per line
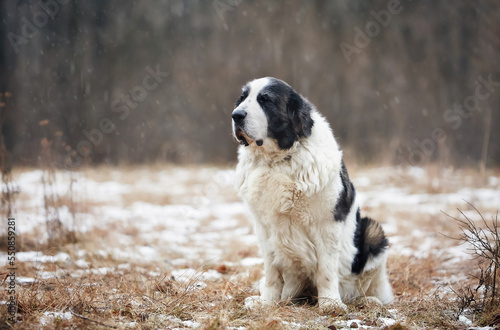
(247, 262)
(48, 318)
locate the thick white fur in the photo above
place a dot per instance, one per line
(291, 195)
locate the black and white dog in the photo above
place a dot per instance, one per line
(291, 174)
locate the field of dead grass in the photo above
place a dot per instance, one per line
(169, 247)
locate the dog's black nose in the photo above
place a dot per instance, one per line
(239, 115)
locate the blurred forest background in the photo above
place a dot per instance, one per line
(119, 82)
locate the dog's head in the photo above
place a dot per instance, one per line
(270, 111)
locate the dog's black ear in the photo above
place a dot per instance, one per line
(299, 111)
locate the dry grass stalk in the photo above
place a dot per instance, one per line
(58, 234)
(483, 239)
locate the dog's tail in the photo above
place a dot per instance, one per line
(369, 240)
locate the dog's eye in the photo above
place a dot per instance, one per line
(263, 98)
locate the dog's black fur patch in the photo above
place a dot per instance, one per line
(346, 198)
(369, 240)
(288, 113)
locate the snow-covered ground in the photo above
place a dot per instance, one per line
(200, 217)
(183, 218)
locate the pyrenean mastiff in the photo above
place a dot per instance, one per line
(315, 244)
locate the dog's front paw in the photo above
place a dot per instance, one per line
(332, 305)
(269, 293)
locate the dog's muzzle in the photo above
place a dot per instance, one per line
(239, 119)
(239, 131)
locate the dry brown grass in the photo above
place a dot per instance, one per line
(117, 300)
(146, 295)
